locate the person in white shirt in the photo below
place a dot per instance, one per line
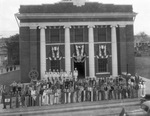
(45, 76)
(140, 89)
(143, 89)
(54, 76)
(70, 75)
(65, 76)
(50, 74)
(75, 74)
(57, 74)
(33, 95)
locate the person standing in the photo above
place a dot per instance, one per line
(143, 89)
(106, 91)
(3, 97)
(140, 90)
(75, 74)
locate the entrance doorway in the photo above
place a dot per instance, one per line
(81, 69)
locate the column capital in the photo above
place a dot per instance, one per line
(42, 27)
(122, 26)
(113, 25)
(91, 26)
(33, 27)
(67, 26)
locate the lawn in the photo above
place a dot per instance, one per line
(142, 66)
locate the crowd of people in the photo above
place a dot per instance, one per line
(62, 88)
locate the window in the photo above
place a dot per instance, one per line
(55, 64)
(102, 34)
(55, 35)
(79, 35)
(102, 65)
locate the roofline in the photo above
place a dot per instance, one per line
(74, 15)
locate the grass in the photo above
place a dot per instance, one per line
(142, 66)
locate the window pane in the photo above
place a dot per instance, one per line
(79, 35)
(55, 35)
(102, 65)
(102, 34)
(55, 64)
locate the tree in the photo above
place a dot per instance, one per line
(12, 44)
(143, 35)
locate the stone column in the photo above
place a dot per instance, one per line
(91, 51)
(33, 47)
(122, 53)
(42, 51)
(114, 51)
(67, 49)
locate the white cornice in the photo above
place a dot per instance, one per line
(73, 15)
(44, 24)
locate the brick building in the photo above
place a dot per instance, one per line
(95, 38)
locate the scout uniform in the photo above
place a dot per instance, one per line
(61, 74)
(50, 75)
(106, 92)
(44, 97)
(33, 95)
(75, 93)
(140, 90)
(75, 74)
(45, 76)
(52, 95)
(66, 91)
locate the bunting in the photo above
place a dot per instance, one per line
(79, 53)
(55, 53)
(102, 52)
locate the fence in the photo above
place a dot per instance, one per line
(6, 70)
(66, 97)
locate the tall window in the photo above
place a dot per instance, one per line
(79, 35)
(102, 34)
(102, 65)
(55, 64)
(55, 35)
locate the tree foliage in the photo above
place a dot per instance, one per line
(143, 35)
(12, 44)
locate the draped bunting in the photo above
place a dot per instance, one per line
(102, 52)
(79, 53)
(55, 53)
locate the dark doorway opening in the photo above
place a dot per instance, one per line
(81, 69)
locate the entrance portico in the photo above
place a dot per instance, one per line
(91, 56)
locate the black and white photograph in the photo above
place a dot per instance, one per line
(74, 58)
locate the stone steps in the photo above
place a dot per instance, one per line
(101, 108)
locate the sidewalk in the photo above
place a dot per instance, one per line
(102, 107)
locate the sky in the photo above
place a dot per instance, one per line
(9, 26)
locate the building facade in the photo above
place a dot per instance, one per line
(95, 38)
